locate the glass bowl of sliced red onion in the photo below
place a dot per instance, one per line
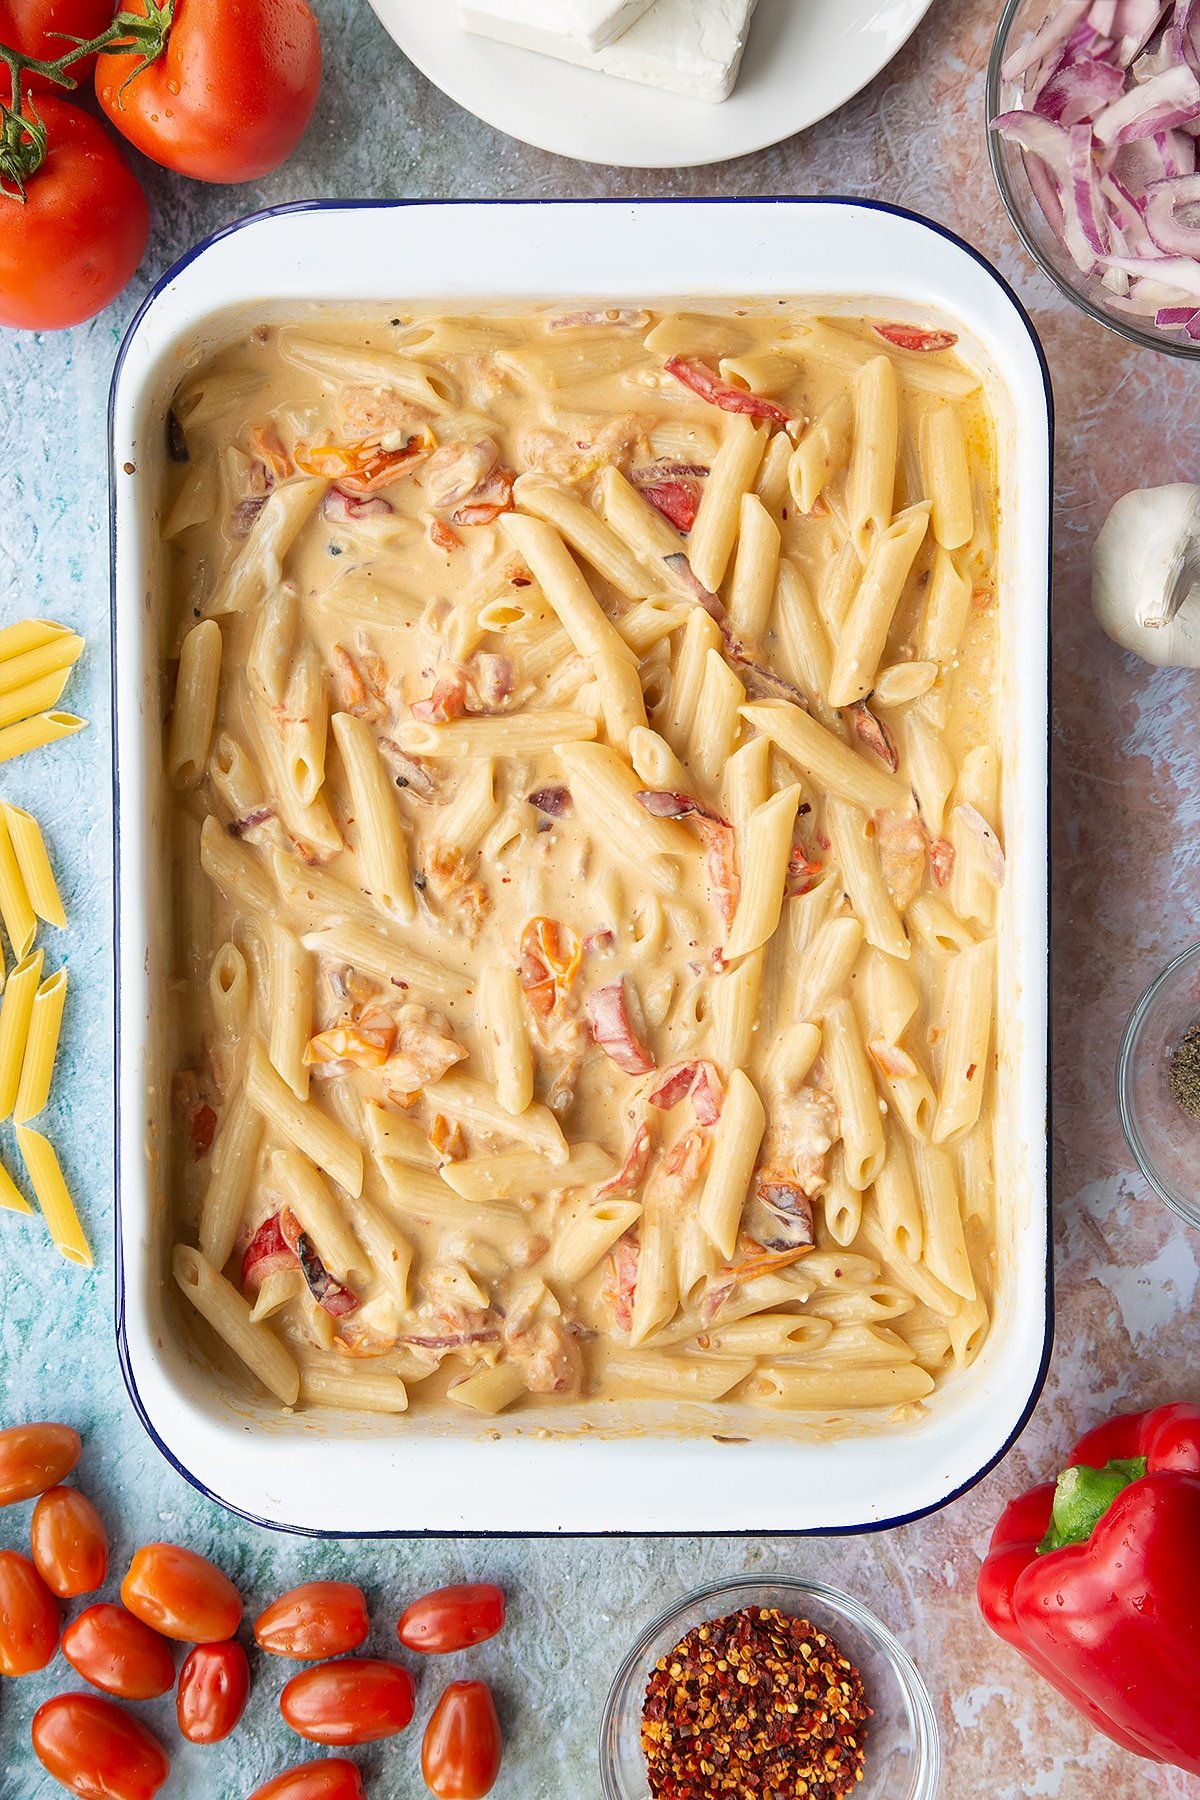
(1094, 124)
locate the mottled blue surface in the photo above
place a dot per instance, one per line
(381, 130)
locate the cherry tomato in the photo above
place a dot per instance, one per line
(64, 254)
(182, 1595)
(33, 1457)
(214, 1685)
(462, 1747)
(118, 1654)
(354, 1701)
(37, 28)
(232, 93)
(321, 1618)
(333, 1778)
(98, 1751)
(28, 1617)
(69, 1542)
(452, 1618)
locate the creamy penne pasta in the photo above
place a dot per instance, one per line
(586, 756)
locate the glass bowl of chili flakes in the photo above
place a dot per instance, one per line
(758, 1680)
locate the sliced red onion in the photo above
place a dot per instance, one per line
(1183, 34)
(1177, 273)
(1134, 24)
(1168, 317)
(1159, 104)
(1168, 204)
(1076, 92)
(1085, 190)
(1050, 35)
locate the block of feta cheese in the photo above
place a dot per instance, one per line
(549, 25)
(691, 47)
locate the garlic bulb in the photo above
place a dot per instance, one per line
(1146, 574)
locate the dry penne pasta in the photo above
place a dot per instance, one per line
(53, 1196)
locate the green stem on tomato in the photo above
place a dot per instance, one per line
(23, 140)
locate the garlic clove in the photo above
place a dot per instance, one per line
(1146, 574)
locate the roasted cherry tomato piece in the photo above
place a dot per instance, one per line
(118, 1654)
(181, 1594)
(318, 1619)
(65, 252)
(214, 1685)
(43, 29)
(354, 1701)
(98, 1751)
(452, 1618)
(333, 1778)
(231, 95)
(462, 1748)
(34, 1457)
(69, 1543)
(29, 1620)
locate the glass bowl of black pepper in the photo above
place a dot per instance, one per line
(1158, 1084)
(681, 1718)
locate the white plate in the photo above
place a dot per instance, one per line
(804, 59)
(732, 1470)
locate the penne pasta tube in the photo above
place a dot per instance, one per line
(735, 1006)
(862, 874)
(231, 1173)
(737, 1136)
(16, 1010)
(929, 767)
(885, 995)
(771, 484)
(791, 1057)
(515, 734)
(501, 1007)
(238, 874)
(604, 788)
(290, 985)
(51, 656)
(655, 763)
(972, 828)
(935, 927)
(16, 909)
(561, 580)
(768, 1334)
(489, 1390)
(589, 1235)
(41, 1047)
(339, 363)
(701, 637)
(321, 1216)
(945, 1249)
(878, 1303)
(864, 631)
(37, 877)
(657, 545)
(360, 594)
(399, 1139)
(763, 856)
(946, 477)
(585, 532)
(474, 1104)
(390, 1253)
(31, 734)
(34, 634)
(382, 846)
(621, 699)
(11, 1197)
(871, 479)
(839, 582)
(464, 821)
(656, 1296)
(302, 1123)
(747, 781)
(275, 1292)
(711, 540)
(823, 758)
(305, 729)
(365, 1389)
(269, 663)
(947, 608)
(647, 624)
(897, 1203)
(755, 569)
(841, 1204)
(822, 342)
(680, 1377)
(798, 1389)
(32, 697)
(822, 452)
(807, 656)
(506, 1173)
(825, 967)
(715, 723)
(53, 1196)
(967, 1029)
(379, 953)
(854, 1091)
(219, 1302)
(259, 566)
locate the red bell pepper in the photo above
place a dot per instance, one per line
(1094, 1579)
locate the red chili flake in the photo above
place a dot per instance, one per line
(756, 1706)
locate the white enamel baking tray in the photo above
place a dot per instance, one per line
(321, 1473)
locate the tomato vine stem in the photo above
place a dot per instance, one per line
(23, 135)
